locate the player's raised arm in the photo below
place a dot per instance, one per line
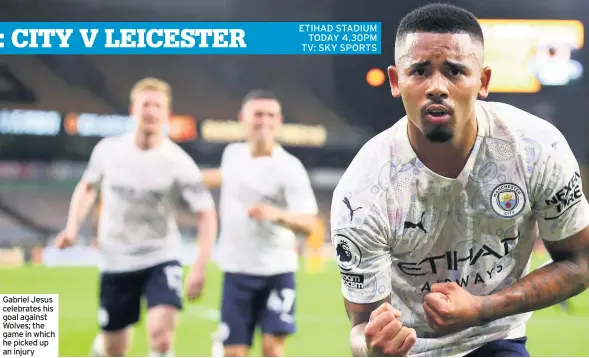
(83, 197)
(200, 201)
(562, 213)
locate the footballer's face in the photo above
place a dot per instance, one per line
(262, 119)
(439, 77)
(151, 110)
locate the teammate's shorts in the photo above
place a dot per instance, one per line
(121, 293)
(502, 348)
(251, 301)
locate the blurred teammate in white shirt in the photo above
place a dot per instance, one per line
(143, 178)
(266, 200)
(434, 220)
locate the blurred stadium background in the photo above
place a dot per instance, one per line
(53, 109)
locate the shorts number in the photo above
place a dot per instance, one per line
(174, 278)
(281, 301)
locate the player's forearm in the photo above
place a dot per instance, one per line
(544, 287)
(207, 228)
(82, 199)
(301, 223)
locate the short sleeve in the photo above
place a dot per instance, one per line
(360, 237)
(299, 194)
(94, 172)
(360, 229)
(364, 259)
(560, 205)
(193, 192)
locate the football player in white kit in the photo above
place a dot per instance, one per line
(435, 263)
(266, 201)
(143, 178)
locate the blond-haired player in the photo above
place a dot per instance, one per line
(143, 177)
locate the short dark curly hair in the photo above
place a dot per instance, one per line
(440, 18)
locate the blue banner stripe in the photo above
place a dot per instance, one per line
(190, 38)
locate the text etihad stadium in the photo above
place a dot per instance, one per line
(132, 38)
(353, 28)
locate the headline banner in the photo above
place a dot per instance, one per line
(190, 38)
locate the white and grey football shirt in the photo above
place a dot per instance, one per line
(398, 227)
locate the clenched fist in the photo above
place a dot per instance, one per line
(385, 334)
(450, 308)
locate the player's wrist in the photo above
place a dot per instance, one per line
(358, 342)
(362, 350)
(486, 309)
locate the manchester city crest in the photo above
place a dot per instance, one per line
(508, 200)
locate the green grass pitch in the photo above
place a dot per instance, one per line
(322, 323)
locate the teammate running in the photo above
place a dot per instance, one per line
(143, 178)
(435, 263)
(266, 199)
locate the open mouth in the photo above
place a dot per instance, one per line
(437, 114)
